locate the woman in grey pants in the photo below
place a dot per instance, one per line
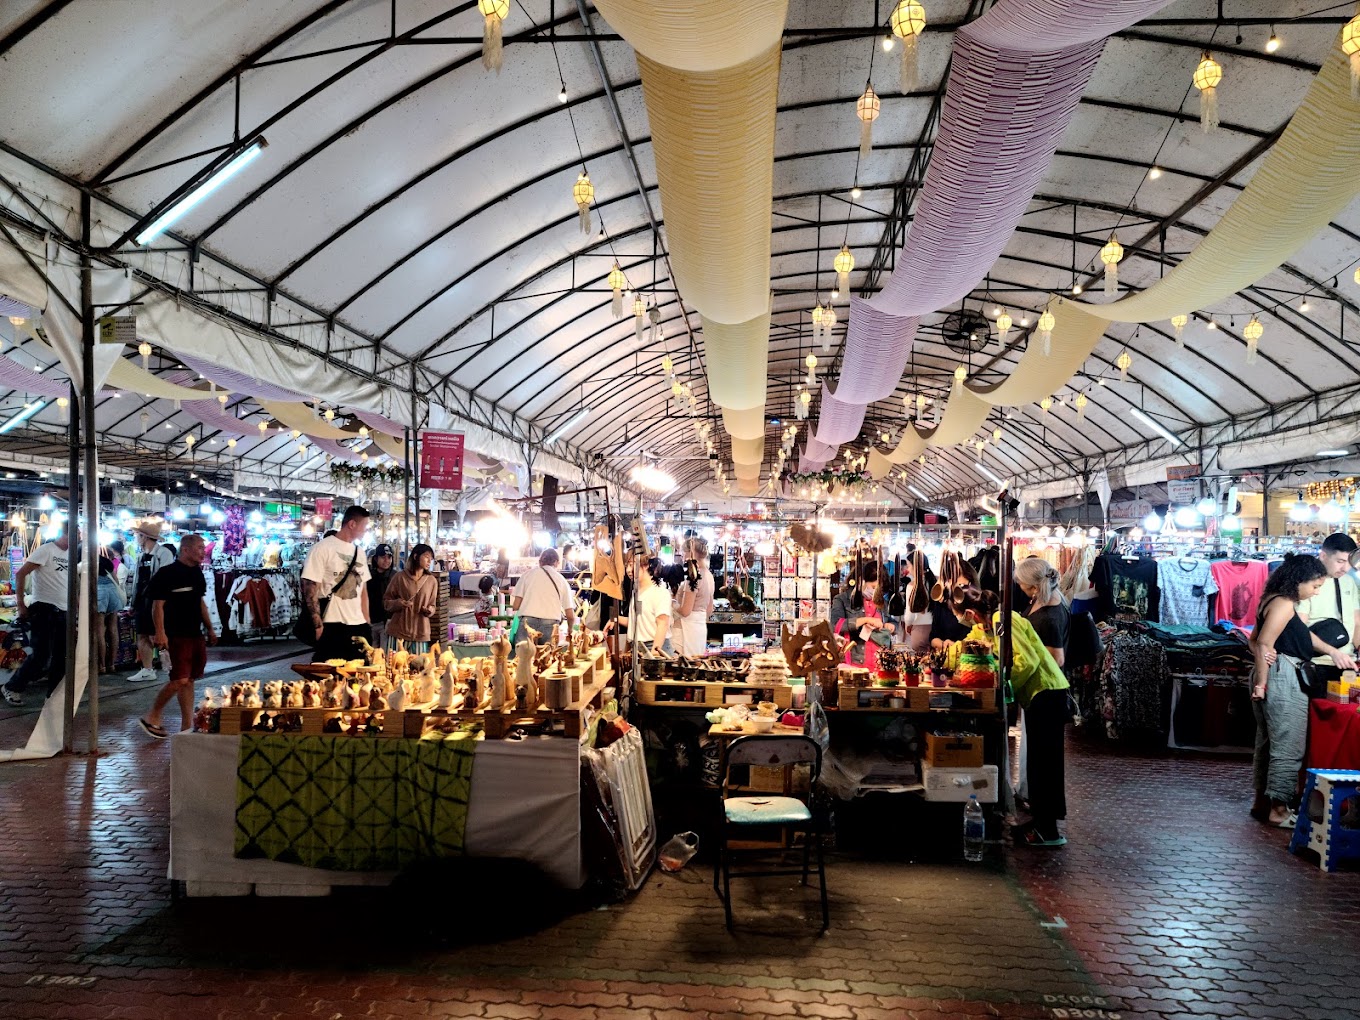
(1282, 643)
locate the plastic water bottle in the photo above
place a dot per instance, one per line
(974, 830)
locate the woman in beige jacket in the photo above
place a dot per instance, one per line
(410, 601)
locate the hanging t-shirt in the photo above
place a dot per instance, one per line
(1127, 587)
(49, 580)
(326, 565)
(1186, 585)
(1239, 585)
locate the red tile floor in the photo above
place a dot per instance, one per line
(1173, 904)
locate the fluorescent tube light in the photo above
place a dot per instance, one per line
(983, 468)
(1333, 453)
(28, 412)
(917, 492)
(226, 173)
(1156, 427)
(566, 426)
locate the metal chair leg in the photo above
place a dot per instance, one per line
(727, 887)
(821, 876)
(807, 835)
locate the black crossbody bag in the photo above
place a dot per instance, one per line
(303, 629)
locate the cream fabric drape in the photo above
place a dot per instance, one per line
(748, 451)
(736, 356)
(300, 417)
(749, 424)
(1037, 375)
(697, 35)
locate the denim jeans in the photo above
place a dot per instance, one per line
(1281, 732)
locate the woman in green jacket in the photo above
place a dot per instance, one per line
(1041, 690)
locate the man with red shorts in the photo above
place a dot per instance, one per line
(180, 613)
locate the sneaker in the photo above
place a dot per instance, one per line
(142, 676)
(13, 697)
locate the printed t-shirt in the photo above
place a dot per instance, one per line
(326, 565)
(1239, 587)
(1186, 585)
(182, 588)
(1127, 587)
(49, 580)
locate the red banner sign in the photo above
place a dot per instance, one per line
(441, 460)
(325, 507)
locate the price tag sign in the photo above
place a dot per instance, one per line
(732, 641)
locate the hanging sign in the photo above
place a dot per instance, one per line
(325, 507)
(1177, 472)
(441, 460)
(1182, 492)
(118, 329)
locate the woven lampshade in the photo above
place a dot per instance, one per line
(1206, 78)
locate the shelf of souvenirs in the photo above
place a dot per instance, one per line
(532, 689)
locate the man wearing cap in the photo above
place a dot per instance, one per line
(384, 568)
(152, 557)
(45, 615)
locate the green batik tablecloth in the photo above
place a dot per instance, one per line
(351, 803)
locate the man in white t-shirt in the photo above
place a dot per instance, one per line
(336, 573)
(542, 597)
(45, 616)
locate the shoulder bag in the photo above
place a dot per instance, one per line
(303, 629)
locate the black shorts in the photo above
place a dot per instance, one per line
(146, 624)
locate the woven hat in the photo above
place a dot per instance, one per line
(150, 528)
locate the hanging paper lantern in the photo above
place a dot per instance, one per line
(843, 263)
(996, 435)
(584, 193)
(263, 427)
(616, 284)
(189, 442)
(363, 431)
(1252, 332)
(330, 414)
(960, 374)
(1045, 404)
(1003, 325)
(231, 444)
(222, 398)
(494, 11)
(867, 110)
(296, 433)
(817, 314)
(1350, 45)
(639, 316)
(1110, 255)
(1207, 76)
(146, 421)
(1045, 330)
(1178, 324)
(908, 21)
(811, 362)
(144, 349)
(1123, 362)
(64, 405)
(828, 325)
(1080, 404)
(667, 365)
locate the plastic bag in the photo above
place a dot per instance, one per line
(677, 851)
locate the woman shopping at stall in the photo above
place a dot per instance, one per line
(1283, 645)
(694, 601)
(1041, 692)
(1048, 613)
(857, 613)
(410, 600)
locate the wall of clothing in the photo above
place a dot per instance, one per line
(253, 602)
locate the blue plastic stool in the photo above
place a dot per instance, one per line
(1327, 836)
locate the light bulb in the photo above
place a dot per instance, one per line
(887, 43)
(1212, 324)
(1076, 288)
(1303, 305)
(562, 96)
(1273, 43)
(1154, 172)
(1024, 320)
(856, 191)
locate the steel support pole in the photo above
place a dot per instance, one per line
(406, 489)
(68, 710)
(415, 458)
(89, 603)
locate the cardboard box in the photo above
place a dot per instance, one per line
(957, 785)
(953, 750)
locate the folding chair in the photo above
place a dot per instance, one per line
(761, 810)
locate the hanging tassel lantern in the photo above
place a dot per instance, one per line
(330, 414)
(843, 263)
(495, 12)
(1252, 332)
(189, 442)
(584, 193)
(866, 109)
(667, 366)
(1003, 325)
(1081, 403)
(263, 427)
(804, 402)
(1045, 330)
(828, 325)
(639, 316)
(222, 398)
(1123, 362)
(908, 21)
(1178, 324)
(960, 374)
(144, 349)
(1207, 76)
(817, 315)
(231, 444)
(616, 284)
(1045, 404)
(1110, 255)
(146, 421)
(1350, 45)
(65, 406)
(811, 362)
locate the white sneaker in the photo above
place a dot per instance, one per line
(142, 676)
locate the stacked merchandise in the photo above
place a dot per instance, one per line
(769, 668)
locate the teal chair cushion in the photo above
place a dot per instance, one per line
(766, 811)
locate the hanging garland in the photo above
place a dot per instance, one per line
(832, 476)
(363, 474)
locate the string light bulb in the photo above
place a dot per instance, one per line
(562, 95)
(856, 191)
(1154, 172)
(1273, 43)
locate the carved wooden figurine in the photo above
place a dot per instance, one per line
(500, 681)
(524, 674)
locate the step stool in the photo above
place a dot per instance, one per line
(1327, 836)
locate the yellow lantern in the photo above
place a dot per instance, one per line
(1081, 403)
(616, 284)
(494, 12)
(811, 362)
(960, 374)
(189, 441)
(584, 193)
(1003, 326)
(1045, 330)
(843, 263)
(1123, 362)
(231, 444)
(144, 349)
(996, 435)
(867, 109)
(1350, 45)
(330, 414)
(908, 21)
(1110, 255)
(1178, 324)
(639, 315)
(263, 427)
(1045, 404)
(1252, 332)
(64, 404)
(1207, 76)
(667, 365)
(17, 320)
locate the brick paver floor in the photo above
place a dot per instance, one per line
(1173, 904)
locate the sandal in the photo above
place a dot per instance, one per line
(1032, 837)
(152, 730)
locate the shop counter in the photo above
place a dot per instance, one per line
(524, 803)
